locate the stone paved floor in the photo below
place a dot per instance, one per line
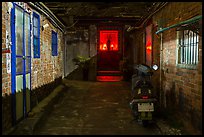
(93, 108)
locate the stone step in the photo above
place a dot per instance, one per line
(109, 78)
(109, 73)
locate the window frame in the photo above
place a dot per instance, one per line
(36, 54)
(189, 52)
(54, 43)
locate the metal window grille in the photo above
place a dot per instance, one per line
(188, 47)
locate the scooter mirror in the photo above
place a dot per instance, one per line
(155, 67)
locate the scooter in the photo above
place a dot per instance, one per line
(143, 99)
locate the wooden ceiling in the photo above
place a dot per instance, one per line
(82, 13)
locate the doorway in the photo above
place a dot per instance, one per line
(108, 52)
(109, 55)
(21, 62)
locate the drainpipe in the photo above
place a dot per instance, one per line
(161, 66)
(64, 62)
(192, 20)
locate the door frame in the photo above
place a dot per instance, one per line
(111, 27)
(13, 63)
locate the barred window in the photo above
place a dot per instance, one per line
(188, 47)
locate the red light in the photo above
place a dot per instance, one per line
(104, 47)
(108, 40)
(149, 47)
(109, 78)
(144, 97)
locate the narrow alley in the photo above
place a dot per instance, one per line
(93, 108)
(120, 68)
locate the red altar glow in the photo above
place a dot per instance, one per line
(109, 78)
(149, 48)
(149, 45)
(109, 40)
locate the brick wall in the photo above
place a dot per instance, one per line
(6, 77)
(181, 88)
(139, 47)
(47, 65)
(46, 70)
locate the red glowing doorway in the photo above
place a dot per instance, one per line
(109, 40)
(108, 50)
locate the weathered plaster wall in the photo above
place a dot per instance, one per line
(80, 43)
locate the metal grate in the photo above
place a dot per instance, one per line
(188, 47)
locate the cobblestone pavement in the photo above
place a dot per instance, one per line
(93, 108)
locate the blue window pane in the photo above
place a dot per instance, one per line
(19, 65)
(28, 64)
(35, 30)
(27, 34)
(19, 31)
(36, 33)
(35, 43)
(35, 46)
(35, 22)
(54, 43)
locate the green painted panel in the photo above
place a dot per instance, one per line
(19, 83)
(28, 80)
(28, 92)
(19, 105)
(27, 100)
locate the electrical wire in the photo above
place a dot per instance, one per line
(72, 24)
(30, 3)
(149, 17)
